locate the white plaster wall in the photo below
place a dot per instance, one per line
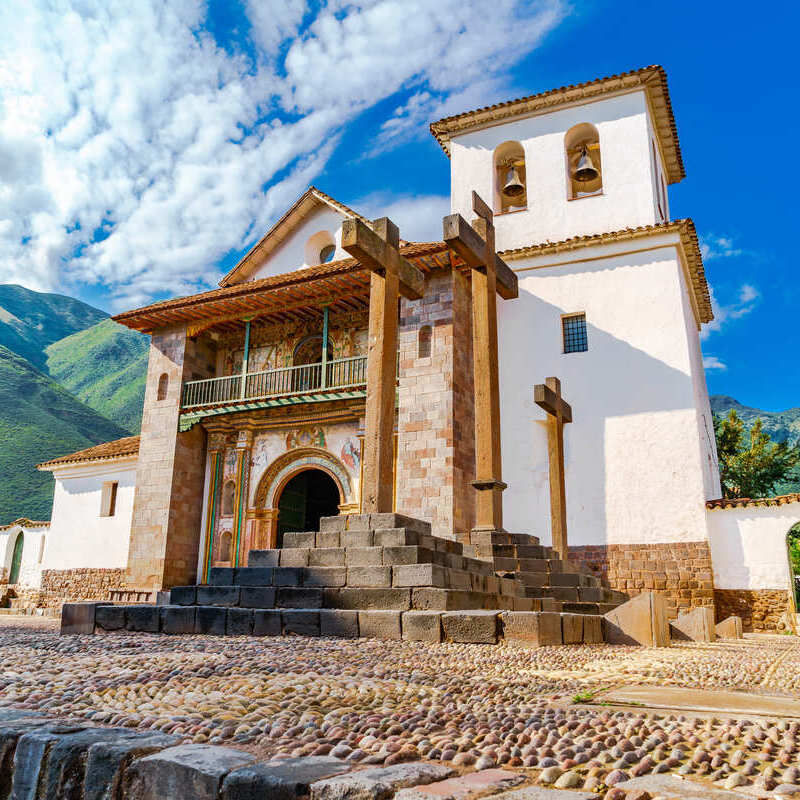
(748, 546)
(634, 465)
(79, 536)
(628, 183)
(291, 253)
(30, 572)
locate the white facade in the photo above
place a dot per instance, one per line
(748, 546)
(33, 536)
(79, 536)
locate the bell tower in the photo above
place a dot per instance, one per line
(584, 159)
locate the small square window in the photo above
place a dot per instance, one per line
(108, 499)
(574, 327)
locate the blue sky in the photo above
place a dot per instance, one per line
(143, 148)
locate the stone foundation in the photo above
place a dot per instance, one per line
(760, 610)
(64, 585)
(681, 571)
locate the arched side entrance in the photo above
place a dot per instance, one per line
(307, 496)
(16, 558)
(278, 475)
(793, 545)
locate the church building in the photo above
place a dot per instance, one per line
(255, 403)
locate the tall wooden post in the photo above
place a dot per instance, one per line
(547, 395)
(475, 245)
(377, 249)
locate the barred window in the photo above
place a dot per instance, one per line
(574, 327)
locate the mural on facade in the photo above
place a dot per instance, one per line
(351, 454)
(307, 436)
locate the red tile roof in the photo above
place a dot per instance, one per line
(119, 448)
(749, 502)
(24, 522)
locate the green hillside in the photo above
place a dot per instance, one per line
(38, 420)
(105, 367)
(30, 321)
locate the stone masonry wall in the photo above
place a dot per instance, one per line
(681, 571)
(435, 459)
(760, 610)
(60, 586)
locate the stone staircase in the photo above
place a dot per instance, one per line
(385, 576)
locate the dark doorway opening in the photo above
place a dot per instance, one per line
(309, 495)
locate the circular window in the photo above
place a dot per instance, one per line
(326, 254)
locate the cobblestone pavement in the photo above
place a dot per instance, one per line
(382, 702)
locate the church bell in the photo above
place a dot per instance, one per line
(513, 186)
(585, 171)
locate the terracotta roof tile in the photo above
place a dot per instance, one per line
(749, 502)
(24, 522)
(119, 448)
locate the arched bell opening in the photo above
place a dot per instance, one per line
(510, 184)
(584, 163)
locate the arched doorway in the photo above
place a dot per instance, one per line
(16, 559)
(305, 498)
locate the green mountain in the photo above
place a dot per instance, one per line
(782, 426)
(39, 420)
(104, 366)
(30, 321)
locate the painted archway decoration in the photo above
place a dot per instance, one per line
(290, 463)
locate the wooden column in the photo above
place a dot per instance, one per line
(377, 249)
(547, 395)
(475, 246)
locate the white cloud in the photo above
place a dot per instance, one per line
(713, 246)
(745, 301)
(128, 118)
(419, 218)
(712, 362)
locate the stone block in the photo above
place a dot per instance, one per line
(432, 599)
(263, 558)
(592, 629)
(221, 576)
(642, 620)
(357, 538)
(300, 622)
(368, 599)
(572, 628)
(392, 520)
(357, 522)
(380, 783)
(253, 576)
(475, 627)
(107, 760)
(266, 622)
(730, 628)
(380, 624)
(395, 537)
(324, 576)
(188, 771)
(303, 540)
(364, 556)
(420, 575)
(458, 579)
(327, 539)
(422, 626)
(695, 626)
(183, 595)
(257, 597)
(177, 619)
(487, 781)
(332, 524)
(531, 628)
(299, 597)
(407, 554)
(217, 595)
(110, 618)
(327, 557)
(142, 618)
(286, 779)
(295, 557)
(239, 622)
(375, 577)
(78, 617)
(211, 620)
(338, 623)
(287, 576)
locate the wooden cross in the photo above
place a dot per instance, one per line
(376, 248)
(547, 395)
(474, 244)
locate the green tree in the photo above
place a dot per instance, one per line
(750, 465)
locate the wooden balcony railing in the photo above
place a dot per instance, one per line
(342, 373)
